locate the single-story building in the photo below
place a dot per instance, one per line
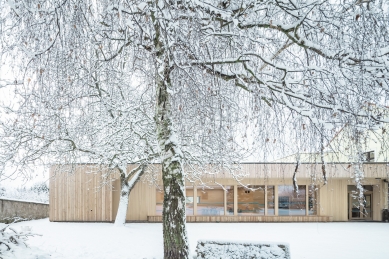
(263, 192)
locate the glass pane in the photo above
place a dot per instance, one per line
(159, 202)
(367, 207)
(368, 188)
(312, 200)
(289, 202)
(270, 200)
(230, 200)
(251, 202)
(189, 201)
(210, 201)
(355, 209)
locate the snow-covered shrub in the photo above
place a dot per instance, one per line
(13, 244)
(241, 250)
(40, 188)
(39, 192)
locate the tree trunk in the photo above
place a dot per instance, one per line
(174, 219)
(127, 183)
(175, 239)
(123, 203)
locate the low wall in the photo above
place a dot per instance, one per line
(249, 219)
(22, 209)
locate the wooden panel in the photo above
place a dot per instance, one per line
(115, 197)
(78, 194)
(334, 200)
(142, 202)
(378, 199)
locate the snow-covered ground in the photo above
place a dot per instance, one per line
(360, 240)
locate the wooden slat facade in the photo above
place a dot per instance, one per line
(80, 195)
(306, 170)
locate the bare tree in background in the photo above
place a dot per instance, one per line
(221, 77)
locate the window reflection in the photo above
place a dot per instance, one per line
(270, 200)
(210, 201)
(159, 202)
(230, 200)
(251, 202)
(290, 202)
(189, 201)
(312, 200)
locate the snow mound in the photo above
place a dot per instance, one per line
(210, 249)
(13, 244)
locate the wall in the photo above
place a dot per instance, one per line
(334, 200)
(23, 209)
(79, 195)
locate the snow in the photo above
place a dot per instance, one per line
(13, 244)
(346, 240)
(21, 200)
(237, 250)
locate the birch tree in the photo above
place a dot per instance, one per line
(223, 74)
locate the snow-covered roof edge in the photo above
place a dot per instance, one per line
(8, 199)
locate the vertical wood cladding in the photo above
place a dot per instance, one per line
(81, 193)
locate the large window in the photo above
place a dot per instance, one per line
(255, 200)
(291, 202)
(210, 201)
(251, 201)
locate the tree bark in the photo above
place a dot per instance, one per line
(120, 219)
(127, 183)
(175, 238)
(174, 218)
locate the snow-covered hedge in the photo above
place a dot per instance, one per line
(208, 249)
(13, 244)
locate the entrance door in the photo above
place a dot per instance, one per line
(358, 211)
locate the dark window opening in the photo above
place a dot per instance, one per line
(369, 156)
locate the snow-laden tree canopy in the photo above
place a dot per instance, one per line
(189, 83)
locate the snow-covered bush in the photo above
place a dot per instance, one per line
(241, 250)
(38, 192)
(13, 244)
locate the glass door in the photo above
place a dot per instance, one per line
(359, 211)
(367, 213)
